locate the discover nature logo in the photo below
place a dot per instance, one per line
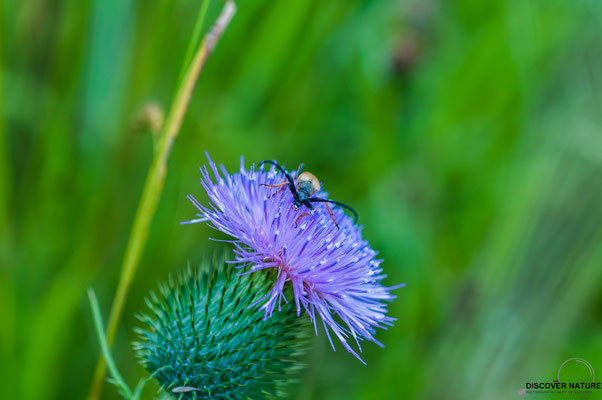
(575, 375)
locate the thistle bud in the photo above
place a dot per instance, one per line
(202, 340)
(149, 118)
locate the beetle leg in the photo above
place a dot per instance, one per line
(274, 186)
(281, 189)
(299, 170)
(280, 185)
(332, 215)
(299, 217)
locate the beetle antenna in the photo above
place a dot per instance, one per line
(320, 200)
(291, 183)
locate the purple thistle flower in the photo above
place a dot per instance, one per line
(333, 272)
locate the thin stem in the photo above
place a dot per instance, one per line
(104, 346)
(155, 181)
(194, 41)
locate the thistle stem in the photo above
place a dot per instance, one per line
(155, 180)
(104, 346)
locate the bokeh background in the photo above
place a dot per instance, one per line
(467, 134)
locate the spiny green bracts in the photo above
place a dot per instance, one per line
(203, 341)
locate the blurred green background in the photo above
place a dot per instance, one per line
(467, 134)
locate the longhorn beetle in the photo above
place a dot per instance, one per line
(307, 185)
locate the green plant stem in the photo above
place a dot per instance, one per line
(155, 181)
(194, 41)
(104, 346)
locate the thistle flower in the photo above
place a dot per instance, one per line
(202, 341)
(332, 270)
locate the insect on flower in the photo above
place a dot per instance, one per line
(307, 186)
(334, 273)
